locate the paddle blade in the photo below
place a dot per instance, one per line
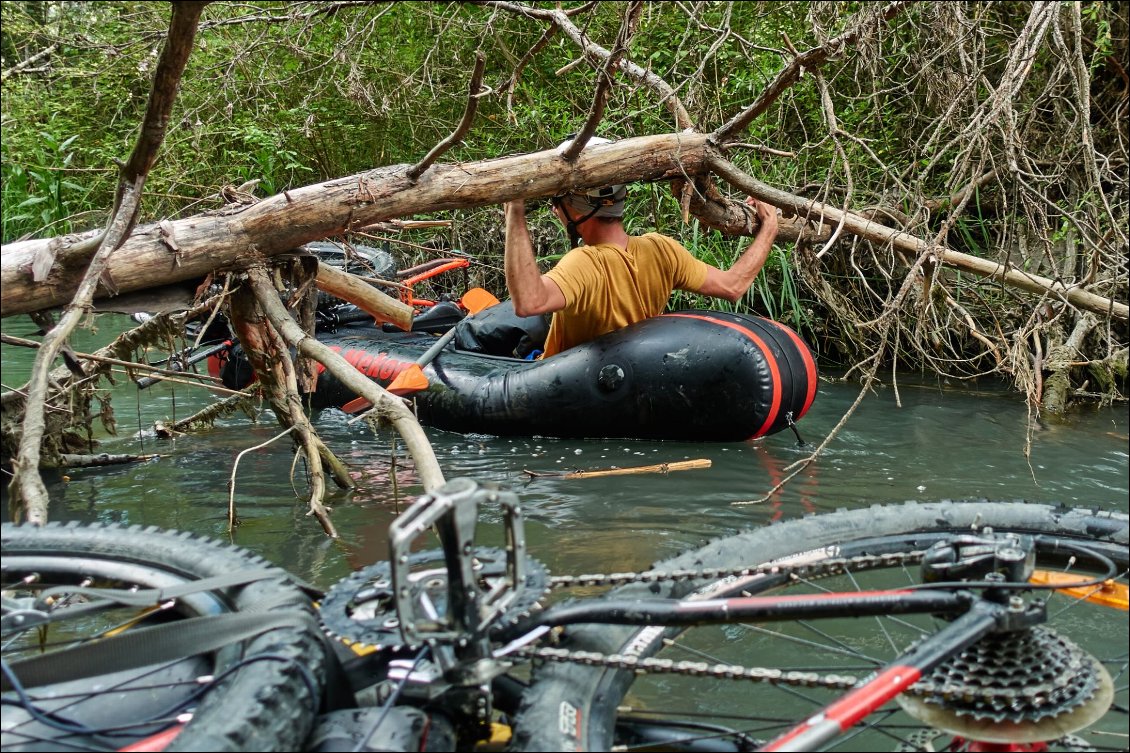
(1108, 593)
(356, 406)
(477, 299)
(408, 381)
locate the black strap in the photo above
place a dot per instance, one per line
(149, 597)
(140, 648)
(571, 224)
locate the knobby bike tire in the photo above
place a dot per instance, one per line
(263, 705)
(574, 707)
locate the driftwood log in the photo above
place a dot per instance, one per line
(176, 250)
(173, 251)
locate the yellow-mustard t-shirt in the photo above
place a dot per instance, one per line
(607, 287)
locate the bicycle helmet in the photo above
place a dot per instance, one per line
(605, 201)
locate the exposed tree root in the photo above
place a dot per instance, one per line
(270, 357)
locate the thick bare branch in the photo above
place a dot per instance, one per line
(604, 80)
(873, 231)
(474, 93)
(373, 302)
(29, 495)
(388, 407)
(28, 62)
(598, 54)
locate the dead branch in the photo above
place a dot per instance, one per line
(475, 91)
(277, 372)
(376, 304)
(794, 469)
(1060, 360)
(207, 416)
(28, 494)
(598, 54)
(678, 465)
(604, 80)
(903, 241)
(233, 520)
(511, 84)
(807, 60)
(271, 360)
(129, 365)
(28, 62)
(69, 460)
(389, 408)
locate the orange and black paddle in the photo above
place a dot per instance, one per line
(413, 379)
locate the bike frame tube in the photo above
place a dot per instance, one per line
(447, 266)
(429, 270)
(757, 608)
(835, 719)
(427, 266)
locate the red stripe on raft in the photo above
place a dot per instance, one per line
(809, 365)
(769, 359)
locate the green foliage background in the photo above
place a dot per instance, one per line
(296, 93)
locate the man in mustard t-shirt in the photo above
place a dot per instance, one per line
(614, 279)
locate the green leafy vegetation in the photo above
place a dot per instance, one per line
(905, 123)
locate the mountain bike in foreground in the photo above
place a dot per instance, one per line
(968, 625)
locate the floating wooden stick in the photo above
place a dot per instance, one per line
(678, 465)
(67, 460)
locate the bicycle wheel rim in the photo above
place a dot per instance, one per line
(238, 713)
(575, 707)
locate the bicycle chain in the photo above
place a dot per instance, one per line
(692, 668)
(824, 568)
(997, 697)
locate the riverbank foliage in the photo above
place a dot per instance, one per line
(996, 129)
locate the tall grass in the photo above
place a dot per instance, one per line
(36, 195)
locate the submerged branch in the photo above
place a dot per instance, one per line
(69, 460)
(206, 417)
(388, 407)
(28, 493)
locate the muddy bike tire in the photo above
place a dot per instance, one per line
(268, 701)
(575, 707)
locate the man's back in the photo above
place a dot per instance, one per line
(607, 287)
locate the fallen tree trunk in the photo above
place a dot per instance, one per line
(176, 250)
(173, 251)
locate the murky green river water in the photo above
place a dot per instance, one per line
(945, 441)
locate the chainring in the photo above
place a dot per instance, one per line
(361, 608)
